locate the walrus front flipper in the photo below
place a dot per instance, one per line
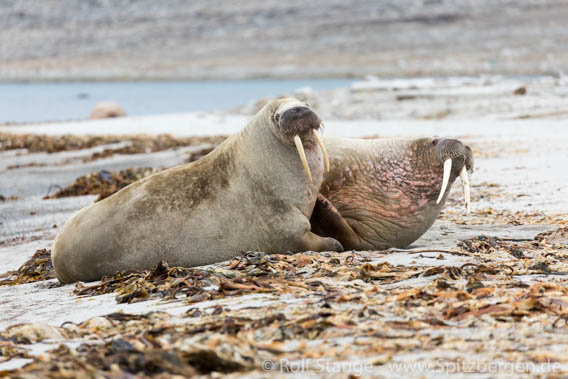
(327, 222)
(313, 242)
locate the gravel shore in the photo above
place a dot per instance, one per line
(144, 39)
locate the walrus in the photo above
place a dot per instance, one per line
(386, 193)
(251, 193)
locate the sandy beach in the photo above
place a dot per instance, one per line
(479, 295)
(519, 188)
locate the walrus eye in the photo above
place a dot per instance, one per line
(276, 117)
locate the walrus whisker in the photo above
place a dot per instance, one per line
(323, 150)
(445, 179)
(466, 189)
(302, 153)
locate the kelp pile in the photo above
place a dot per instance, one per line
(152, 144)
(489, 299)
(36, 269)
(103, 183)
(490, 216)
(193, 285)
(52, 144)
(136, 144)
(162, 281)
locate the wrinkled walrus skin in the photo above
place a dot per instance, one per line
(250, 193)
(383, 193)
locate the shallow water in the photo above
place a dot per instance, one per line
(29, 102)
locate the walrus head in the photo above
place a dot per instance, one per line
(457, 160)
(387, 193)
(297, 124)
(431, 166)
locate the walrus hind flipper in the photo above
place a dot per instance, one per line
(326, 221)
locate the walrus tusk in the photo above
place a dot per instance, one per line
(466, 190)
(446, 179)
(323, 150)
(303, 158)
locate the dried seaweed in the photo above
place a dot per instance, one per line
(165, 282)
(555, 238)
(160, 281)
(340, 306)
(147, 144)
(136, 144)
(103, 183)
(37, 268)
(492, 216)
(26, 165)
(52, 144)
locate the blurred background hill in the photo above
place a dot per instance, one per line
(213, 39)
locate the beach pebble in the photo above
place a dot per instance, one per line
(107, 109)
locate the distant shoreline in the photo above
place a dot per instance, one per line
(157, 79)
(299, 76)
(69, 100)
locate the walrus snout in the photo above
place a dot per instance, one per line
(299, 120)
(460, 154)
(457, 159)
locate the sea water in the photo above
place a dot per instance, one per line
(37, 102)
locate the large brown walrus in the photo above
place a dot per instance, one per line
(386, 193)
(252, 192)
